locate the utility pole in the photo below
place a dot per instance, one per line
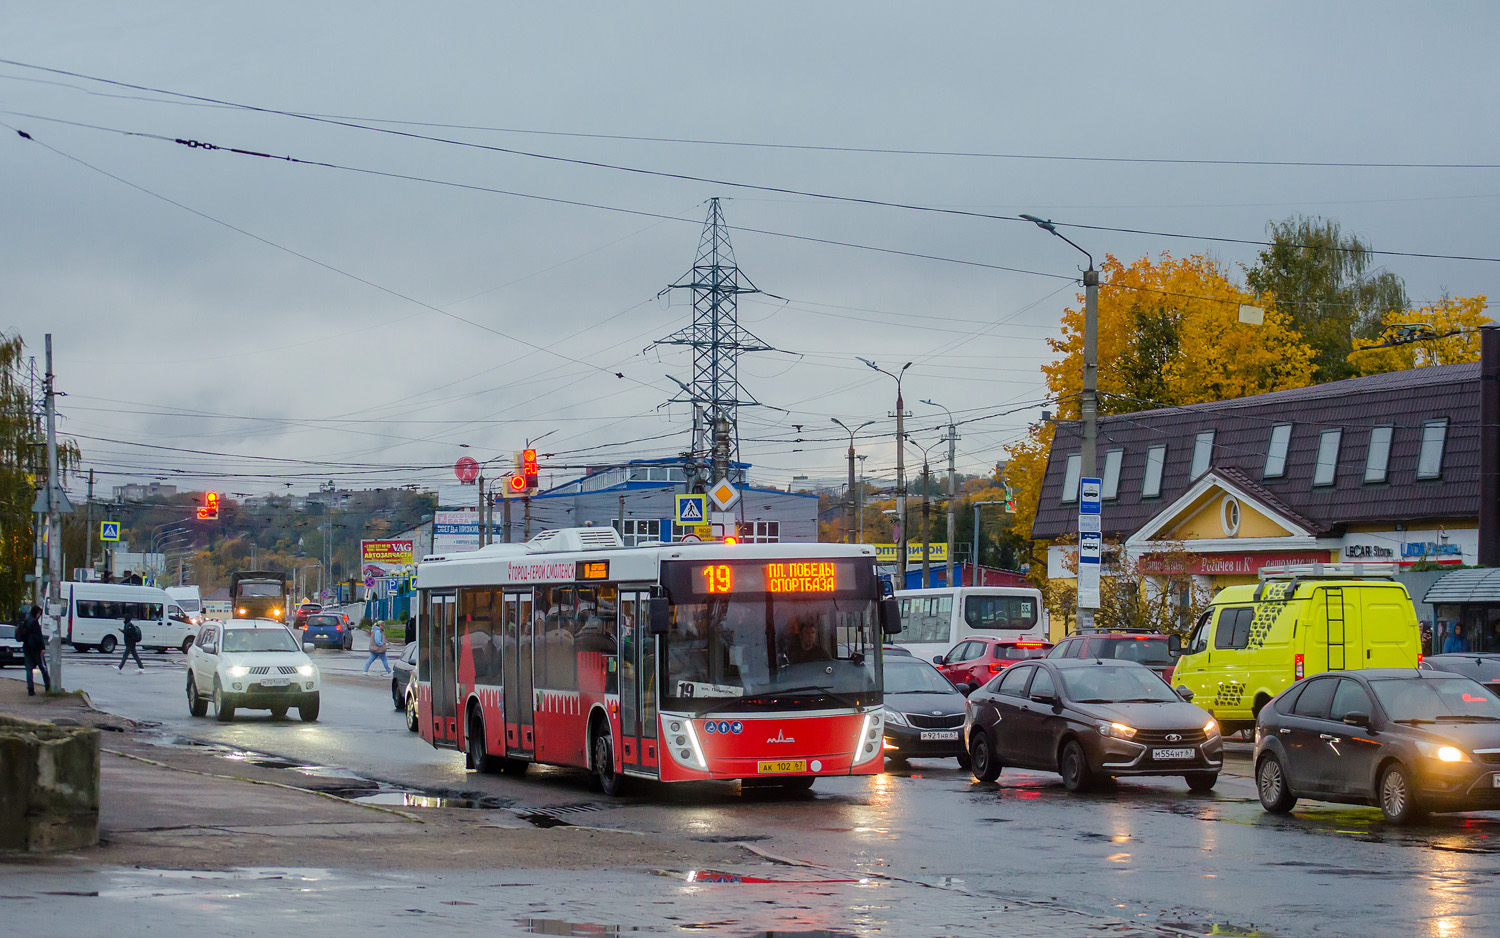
(479, 514)
(974, 559)
(861, 503)
(1088, 405)
(926, 500)
(952, 490)
(54, 524)
(901, 538)
(88, 527)
(506, 514)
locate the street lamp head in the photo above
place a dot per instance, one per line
(1042, 223)
(868, 362)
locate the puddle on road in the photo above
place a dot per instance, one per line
(412, 799)
(1216, 929)
(557, 926)
(542, 820)
(716, 877)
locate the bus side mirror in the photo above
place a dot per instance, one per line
(890, 616)
(1174, 645)
(661, 616)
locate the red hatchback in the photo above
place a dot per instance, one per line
(974, 661)
(1152, 649)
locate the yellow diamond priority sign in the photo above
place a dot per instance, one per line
(723, 494)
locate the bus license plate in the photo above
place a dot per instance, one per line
(790, 765)
(930, 735)
(1173, 753)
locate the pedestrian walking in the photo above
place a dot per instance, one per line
(377, 648)
(34, 649)
(132, 635)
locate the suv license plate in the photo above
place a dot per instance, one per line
(1495, 779)
(790, 765)
(1173, 753)
(930, 735)
(272, 681)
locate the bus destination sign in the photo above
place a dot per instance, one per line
(782, 577)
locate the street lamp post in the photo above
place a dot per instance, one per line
(1088, 398)
(952, 454)
(849, 494)
(926, 502)
(900, 468)
(861, 502)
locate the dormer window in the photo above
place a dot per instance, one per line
(1430, 462)
(1328, 456)
(1111, 481)
(1156, 460)
(1380, 454)
(1070, 478)
(1281, 436)
(1203, 453)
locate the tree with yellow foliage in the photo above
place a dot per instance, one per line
(1169, 334)
(1456, 319)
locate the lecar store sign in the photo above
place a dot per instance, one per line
(1460, 545)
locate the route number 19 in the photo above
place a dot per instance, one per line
(718, 578)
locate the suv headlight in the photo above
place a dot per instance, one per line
(306, 670)
(892, 716)
(1117, 730)
(237, 670)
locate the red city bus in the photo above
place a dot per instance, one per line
(671, 661)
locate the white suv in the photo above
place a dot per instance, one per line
(252, 664)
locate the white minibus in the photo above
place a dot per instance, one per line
(189, 599)
(94, 617)
(934, 620)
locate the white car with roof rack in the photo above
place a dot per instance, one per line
(251, 664)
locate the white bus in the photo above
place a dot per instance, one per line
(189, 599)
(94, 617)
(934, 620)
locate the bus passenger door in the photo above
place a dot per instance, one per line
(442, 628)
(636, 651)
(516, 653)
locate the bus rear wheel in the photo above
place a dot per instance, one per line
(478, 754)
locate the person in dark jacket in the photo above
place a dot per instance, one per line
(34, 649)
(132, 634)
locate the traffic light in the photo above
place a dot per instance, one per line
(209, 510)
(515, 484)
(528, 469)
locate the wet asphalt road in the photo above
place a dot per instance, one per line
(1146, 850)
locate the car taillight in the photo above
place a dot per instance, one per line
(1297, 669)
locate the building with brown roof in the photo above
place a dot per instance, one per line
(1380, 468)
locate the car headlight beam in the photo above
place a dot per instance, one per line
(306, 670)
(1117, 730)
(1442, 752)
(237, 670)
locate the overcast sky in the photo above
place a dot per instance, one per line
(233, 307)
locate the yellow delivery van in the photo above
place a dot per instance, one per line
(1254, 641)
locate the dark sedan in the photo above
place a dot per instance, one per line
(924, 713)
(1483, 667)
(401, 671)
(1408, 741)
(1090, 718)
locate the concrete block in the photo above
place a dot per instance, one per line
(49, 786)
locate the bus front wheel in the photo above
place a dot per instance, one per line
(605, 778)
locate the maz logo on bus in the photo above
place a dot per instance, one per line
(723, 726)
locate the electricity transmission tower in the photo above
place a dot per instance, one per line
(717, 339)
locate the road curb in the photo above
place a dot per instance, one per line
(257, 781)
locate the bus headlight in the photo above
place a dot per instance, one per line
(868, 745)
(690, 754)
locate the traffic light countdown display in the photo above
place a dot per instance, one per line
(209, 510)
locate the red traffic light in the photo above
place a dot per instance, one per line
(516, 483)
(209, 511)
(528, 468)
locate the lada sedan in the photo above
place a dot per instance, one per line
(250, 664)
(1090, 718)
(1407, 740)
(924, 713)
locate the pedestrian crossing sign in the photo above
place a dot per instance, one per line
(109, 530)
(692, 509)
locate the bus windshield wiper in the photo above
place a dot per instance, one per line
(844, 699)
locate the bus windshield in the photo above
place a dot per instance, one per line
(746, 648)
